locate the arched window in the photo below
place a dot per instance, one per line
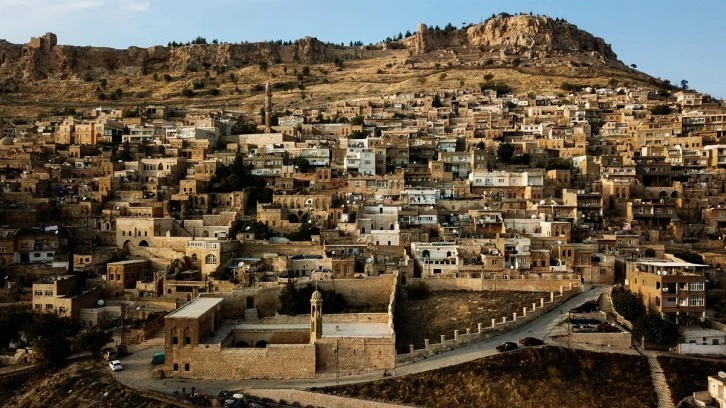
(210, 260)
(194, 258)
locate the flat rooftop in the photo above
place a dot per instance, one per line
(329, 329)
(195, 308)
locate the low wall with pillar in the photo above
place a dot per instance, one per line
(487, 330)
(525, 283)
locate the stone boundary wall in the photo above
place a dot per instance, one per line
(306, 398)
(491, 329)
(478, 284)
(373, 290)
(621, 340)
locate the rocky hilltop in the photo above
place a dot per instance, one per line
(532, 36)
(43, 58)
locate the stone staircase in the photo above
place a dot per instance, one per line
(659, 381)
(252, 315)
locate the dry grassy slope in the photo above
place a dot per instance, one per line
(358, 78)
(79, 384)
(539, 377)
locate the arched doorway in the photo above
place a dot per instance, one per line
(293, 219)
(250, 302)
(261, 344)
(241, 344)
(143, 243)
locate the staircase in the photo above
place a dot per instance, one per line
(252, 315)
(659, 381)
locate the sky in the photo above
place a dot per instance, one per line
(669, 39)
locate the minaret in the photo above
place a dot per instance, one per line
(268, 108)
(316, 316)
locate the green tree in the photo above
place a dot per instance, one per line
(661, 110)
(92, 340)
(357, 120)
(684, 84)
(103, 82)
(301, 164)
(488, 76)
(306, 70)
(505, 152)
(49, 333)
(655, 330)
(627, 304)
(436, 102)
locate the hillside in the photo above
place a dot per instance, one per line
(535, 377)
(79, 384)
(531, 53)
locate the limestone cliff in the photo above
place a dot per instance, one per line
(42, 58)
(514, 35)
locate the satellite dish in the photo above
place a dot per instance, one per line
(721, 374)
(658, 273)
(542, 202)
(100, 302)
(369, 260)
(241, 264)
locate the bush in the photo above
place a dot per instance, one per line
(661, 110)
(197, 84)
(418, 290)
(628, 304)
(294, 300)
(655, 330)
(167, 78)
(187, 92)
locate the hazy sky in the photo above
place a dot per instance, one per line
(669, 39)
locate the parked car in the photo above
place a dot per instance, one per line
(109, 354)
(606, 327)
(158, 358)
(583, 328)
(508, 346)
(531, 341)
(115, 365)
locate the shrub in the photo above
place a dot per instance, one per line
(167, 78)
(661, 110)
(655, 330)
(187, 92)
(627, 304)
(198, 84)
(418, 290)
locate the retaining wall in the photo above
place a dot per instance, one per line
(306, 398)
(487, 330)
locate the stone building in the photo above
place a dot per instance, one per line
(123, 275)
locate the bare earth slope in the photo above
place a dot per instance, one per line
(530, 53)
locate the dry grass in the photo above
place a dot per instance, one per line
(687, 375)
(80, 384)
(544, 377)
(445, 311)
(359, 78)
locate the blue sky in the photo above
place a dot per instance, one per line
(669, 39)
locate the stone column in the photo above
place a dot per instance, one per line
(456, 335)
(534, 307)
(426, 344)
(562, 289)
(468, 332)
(410, 348)
(494, 322)
(478, 327)
(552, 296)
(524, 311)
(514, 316)
(504, 319)
(443, 338)
(541, 302)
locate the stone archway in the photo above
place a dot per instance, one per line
(143, 243)
(261, 344)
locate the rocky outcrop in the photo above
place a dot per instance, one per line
(308, 50)
(514, 35)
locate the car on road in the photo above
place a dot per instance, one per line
(115, 365)
(508, 346)
(531, 341)
(158, 358)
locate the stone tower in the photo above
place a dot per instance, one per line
(268, 108)
(316, 316)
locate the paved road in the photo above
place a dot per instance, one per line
(137, 370)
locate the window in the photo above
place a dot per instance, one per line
(696, 286)
(48, 293)
(38, 306)
(695, 301)
(602, 271)
(175, 340)
(48, 306)
(176, 367)
(186, 367)
(38, 293)
(210, 260)
(187, 341)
